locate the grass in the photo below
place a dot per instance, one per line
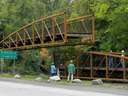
(116, 85)
(63, 81)
(6, 76)
(84, 82)
(28, 77)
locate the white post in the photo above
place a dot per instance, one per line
(58, 72)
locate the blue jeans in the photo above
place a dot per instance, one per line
(53, 74)
(110, 63)
(122, 63)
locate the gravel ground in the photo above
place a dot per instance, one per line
(93, 88)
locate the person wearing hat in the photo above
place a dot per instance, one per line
(53, 69)
(71, 70)
(122, 59)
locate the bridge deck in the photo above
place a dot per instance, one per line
(58, 36)
(100, 69)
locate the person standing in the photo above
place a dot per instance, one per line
(122, 59)
(110, 63)
(71, 70)
(53, 69)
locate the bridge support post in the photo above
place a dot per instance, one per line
(124, 70)
(24, 38)
(53, 30)
(16, 39)
(65, 28)
(91, 65)
(33, 34)
(77, 62)
(42, 32)
(93, 28)
(106, 67)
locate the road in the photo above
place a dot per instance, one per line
(29, 88)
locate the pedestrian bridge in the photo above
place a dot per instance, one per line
(53, 30)
(93, 65)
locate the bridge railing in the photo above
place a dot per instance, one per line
(81, 24)
(93, 65)
(116, 70)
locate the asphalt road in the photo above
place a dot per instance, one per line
(12, 87)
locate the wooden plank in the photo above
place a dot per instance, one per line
(100, 69)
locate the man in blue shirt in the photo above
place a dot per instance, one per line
(53, 69)
(110, 63)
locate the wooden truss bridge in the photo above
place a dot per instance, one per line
(92, 65)
(53, 30)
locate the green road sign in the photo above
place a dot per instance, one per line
(8, 54)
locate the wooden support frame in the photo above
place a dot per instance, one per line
(48, 31)
(84, 26)
(84, 64)
(37, 33)
(13, 42)
(59, 30)
(21, 38)
(98, 66)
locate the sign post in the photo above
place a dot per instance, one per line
(8, 55)
(2, 63)
(14, 71)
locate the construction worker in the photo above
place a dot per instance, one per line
(53, 69)
(71, 70)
